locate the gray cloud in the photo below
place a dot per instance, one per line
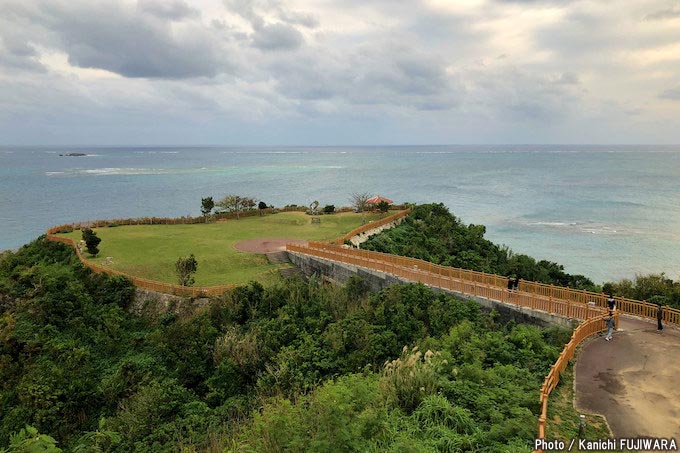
(515, 94)
(299, 18)
(17, 54)
(272, 36)
(168, 9)
(120, 39)
(277, 37)
(377, 75)
(664, 14)
(672, 94)
(373, 70)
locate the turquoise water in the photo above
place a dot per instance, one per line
(604, 211)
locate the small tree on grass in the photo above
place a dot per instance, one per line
(236, 204)
(207, 205)
(329, 209)
(383, 206)
(91, 241)
(185, 268)
(262, 206)
(360, 203)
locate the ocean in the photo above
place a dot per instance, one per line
(607, 212)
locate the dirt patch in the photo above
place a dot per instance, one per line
(632, 380)
(266, 245)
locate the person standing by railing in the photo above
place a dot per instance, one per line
(611, 302)
(659, 317)
(611, 323)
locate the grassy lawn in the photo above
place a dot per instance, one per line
(150, 251)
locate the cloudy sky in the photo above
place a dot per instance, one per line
(325, 72)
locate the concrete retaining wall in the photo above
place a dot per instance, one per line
(359, 239)
(340, 273)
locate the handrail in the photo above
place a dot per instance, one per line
(371, 225)
(169, 288)
(380, 261)
(582, 332)
(152, 285)
(486, 286)
(458, 280)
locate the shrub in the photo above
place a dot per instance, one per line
(329, 209)
(410, 378)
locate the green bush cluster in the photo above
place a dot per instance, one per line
(654, 288)
(432, 233)
(295, 366)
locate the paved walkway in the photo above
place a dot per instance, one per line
(632, 380)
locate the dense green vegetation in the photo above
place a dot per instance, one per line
(292, 367)
(433, 234)
(655, 288)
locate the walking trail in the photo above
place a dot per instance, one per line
(632, 380)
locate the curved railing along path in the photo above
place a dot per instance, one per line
(577, 304)
(169, 288)
(583, 305)
(144, 283)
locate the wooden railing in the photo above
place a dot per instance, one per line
(152, 285)
(582, 332)
(554, 299)
(459, 280)
(371, 225)
(588, 306)
(169, 288)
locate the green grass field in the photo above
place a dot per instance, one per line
(150, 251)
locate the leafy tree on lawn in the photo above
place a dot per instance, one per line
(262, 206)
(383, 206)
(329, 209)
(185, 269)
(91, 241)
(207, 205)
(236, 204)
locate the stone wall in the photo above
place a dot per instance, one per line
(152, 302)
(359, 239)
(339, 273)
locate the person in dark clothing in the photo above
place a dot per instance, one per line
(611, 303)
(510, 284)
(515, 284)
(659, 317)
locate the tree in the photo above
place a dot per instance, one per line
(359, 203)
(383, 206)
(185, 268)
(248, 203)
(207, 205)
(262, 206)
(236, 204)
(329, 209)
(91, 241)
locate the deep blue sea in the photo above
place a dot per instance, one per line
(604, 211)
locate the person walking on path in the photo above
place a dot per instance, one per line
(659, 317)
(610, 323)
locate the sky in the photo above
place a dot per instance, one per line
(339, 72)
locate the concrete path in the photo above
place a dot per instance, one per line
(633, 380)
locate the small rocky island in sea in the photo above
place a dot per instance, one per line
(73, 154)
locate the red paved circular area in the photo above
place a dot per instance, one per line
(266, 245)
